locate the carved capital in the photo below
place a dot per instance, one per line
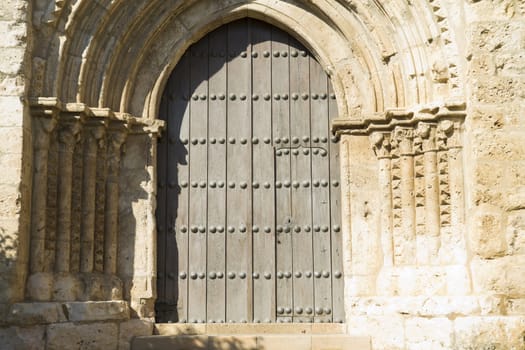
(69, 133)
(426, 135)
(381, 144)
(115, 139)
(402, 141)
(42, 129)
(444, 132)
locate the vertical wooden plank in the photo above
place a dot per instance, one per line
(178, 160)
(320, 193)
(161, 210)
(263, 200)
(338, 314)
(216, 308)
(301, 181)
(281, 133)
(198, 181)
(239, 249)
(176, 244)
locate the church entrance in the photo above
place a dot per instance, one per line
(248, 201)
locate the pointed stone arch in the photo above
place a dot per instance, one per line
(389, 62)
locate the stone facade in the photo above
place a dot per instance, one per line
(431, 102)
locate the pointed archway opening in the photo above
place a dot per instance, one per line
(248, 207)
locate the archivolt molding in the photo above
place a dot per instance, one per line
(116, 54)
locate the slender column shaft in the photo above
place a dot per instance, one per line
(87, 253)
(408, 210)
(431, 193)
(67, 139)
(455, 157)
(432, 210)
(385, 183)
(42, 129)
(116, 140)
(382, 148)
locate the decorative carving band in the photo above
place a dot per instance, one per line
(419, 162)
(74, 228)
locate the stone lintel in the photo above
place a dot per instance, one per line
(388, 120)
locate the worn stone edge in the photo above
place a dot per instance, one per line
(391, 118)
(52, 106)
(38, 313)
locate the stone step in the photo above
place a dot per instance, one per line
(248, 328)
(251, 342)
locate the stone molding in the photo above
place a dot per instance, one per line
(388, 120)
(51, 107)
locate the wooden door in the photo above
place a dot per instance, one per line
(248, 213)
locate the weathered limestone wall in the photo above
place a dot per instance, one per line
(472, 295)
(432, 98)
(15, 146)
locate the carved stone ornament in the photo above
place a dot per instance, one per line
(415, 177)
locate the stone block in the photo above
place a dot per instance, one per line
(482, 65)
(10, 198)
(131, 329)
(510, 64)
(497, 90)
(497, 333)
(95, 336)
(232, 342)
(40, 286)
(18, 338)
(501, 276)
(486, 235)
(12, 174)
(181, 329)
(458, 280)
(515, 306)
(11, 106)
(11, 60)
(194, 342)
(428, 333)
(66, 287)
(36, 313)
(97, 310)
(11, 139)
(340, 342)
(496, 36)
(422, 306)
(13, 33)
(387, 332)
(515, 232)
(356, 285)
(284, 342)
(494, 10)
(453, 248)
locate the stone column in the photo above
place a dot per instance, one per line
(382, 147)
(68, 136)
(42, 128)
(455, 157)
(406, 244)
(432, 221)
(95, 131)
(116, 137)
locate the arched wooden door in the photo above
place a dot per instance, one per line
(248, 183)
